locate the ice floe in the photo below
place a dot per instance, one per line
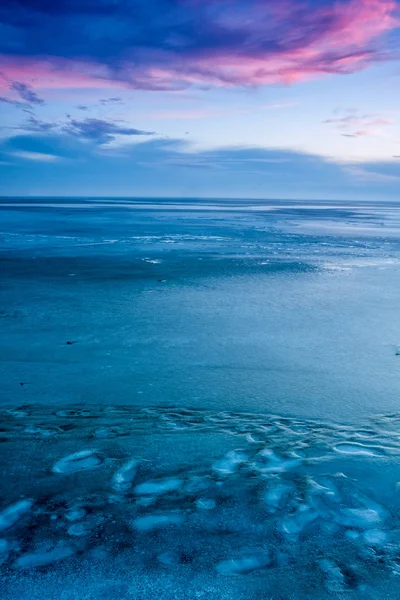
(123, 478)
(206, 503)
(78, 461)
(230, 463)
(267, 461)
(14, 512)
(244, 564)
(157, 488)
(43, 558)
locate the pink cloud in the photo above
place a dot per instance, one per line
(285, 42)
(341, 47)
(56, 73)
(354, 124)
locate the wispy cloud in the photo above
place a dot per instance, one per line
(353, 124)
(100, 130)
(115, 100)
(34, 124)
(26, 93)
(35, 156)
(17, 103)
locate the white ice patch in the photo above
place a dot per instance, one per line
(157, 488)
(355, 449)
(375, 537)
(13, 513)
(276, 494)
(79, 461)
(230, 462)
(32, 560)
(295, 523)
(243, 565)
(75, 514)
(206, 503)
(123, 478)
(269, 462)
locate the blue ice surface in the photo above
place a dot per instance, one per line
(200, 399)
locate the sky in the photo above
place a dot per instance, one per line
(200, 98)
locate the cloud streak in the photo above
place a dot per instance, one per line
(26, 93)
(352, 124)
(99, 130)
(172, 44)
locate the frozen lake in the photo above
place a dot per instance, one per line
(228, 373)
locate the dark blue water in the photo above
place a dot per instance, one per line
(244, 356)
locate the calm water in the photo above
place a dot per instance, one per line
(245, 356)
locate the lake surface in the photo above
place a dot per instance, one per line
(230, 373)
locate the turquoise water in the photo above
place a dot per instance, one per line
(244, 356)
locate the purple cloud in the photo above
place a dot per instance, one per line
(99, 130)
(171, 44)
(106, 101)
(26, 93)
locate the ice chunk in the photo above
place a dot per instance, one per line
(123, 478)
(244, 564)
(254, 438)
(276, 494)
(79, 461)
(296, 523)
(197, 484)
(157, 488)
(81, 528)
(13, 513)
(206, 503)
(157, 521)
(230, 462)
(17, 413)
(146, 500)
(375, 537)
(75, 514)
(355, 449)
(268, 462)
(351, 534)
(107, 432)
(360, 518)
(41, 558)
(44, 432)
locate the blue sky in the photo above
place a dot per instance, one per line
(192, 98)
